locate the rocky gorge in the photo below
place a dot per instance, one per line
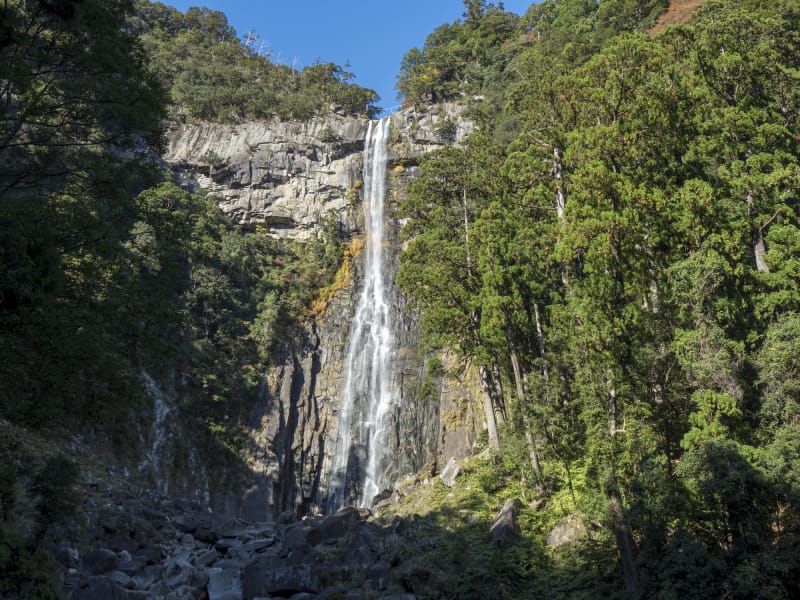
(166, 523)
(285, 178)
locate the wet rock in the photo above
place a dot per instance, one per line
(505, 528)
(379, 575)
(450, 472)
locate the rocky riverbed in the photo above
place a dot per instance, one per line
(128, 547)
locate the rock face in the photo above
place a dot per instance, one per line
(288, 176)
(301, 403)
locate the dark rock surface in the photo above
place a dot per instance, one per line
(196, 555)
(505, 528)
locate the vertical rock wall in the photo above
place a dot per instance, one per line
(288, 176)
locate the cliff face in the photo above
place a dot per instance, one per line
(288, 176)
(283, 174)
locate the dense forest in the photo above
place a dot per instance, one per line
(615, 251)
(108, 269)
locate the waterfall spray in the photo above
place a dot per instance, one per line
(367, 391)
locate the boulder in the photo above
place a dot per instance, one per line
(450, 472)
(224, 584)
(505, 528)
(99, 561)
(335, 526)
(98, 588)
(206, 559)
(568, 530)
(267, 576)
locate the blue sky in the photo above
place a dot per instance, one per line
(372, 35)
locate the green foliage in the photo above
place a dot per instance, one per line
(215, 76)
(629, 269)
(38, 492)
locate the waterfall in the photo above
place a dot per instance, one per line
(360, 455)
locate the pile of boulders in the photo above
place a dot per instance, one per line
(145, 553)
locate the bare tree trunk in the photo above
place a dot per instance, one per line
(488, 409)
(759, 249)
(561, 193)
(533, 451)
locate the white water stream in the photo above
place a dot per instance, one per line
(367, 394)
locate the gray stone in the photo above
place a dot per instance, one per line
(267, 577)
(206, 558)
(206, 534)
(224, 584)
(224, 544)
(144, 581)
(190, 522)
(179, 577)
(66, 556)
(258, 545)
(232, 528)
(505, 528)
(98, 588)
(334, 526)
(568, 530)
(99, 561)
(150, 554)
(256, 503)
(121, 578)
(450, 472)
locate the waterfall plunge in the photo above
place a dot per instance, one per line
(367, 392)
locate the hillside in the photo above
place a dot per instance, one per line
(679, 11)
(590, 296)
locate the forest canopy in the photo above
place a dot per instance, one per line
(212, 74)
(616, 251)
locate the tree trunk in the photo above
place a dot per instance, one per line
(759, 249)
(561, 194)
(625, 544)
(498, 396)
(488, 409)
(533, 451)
